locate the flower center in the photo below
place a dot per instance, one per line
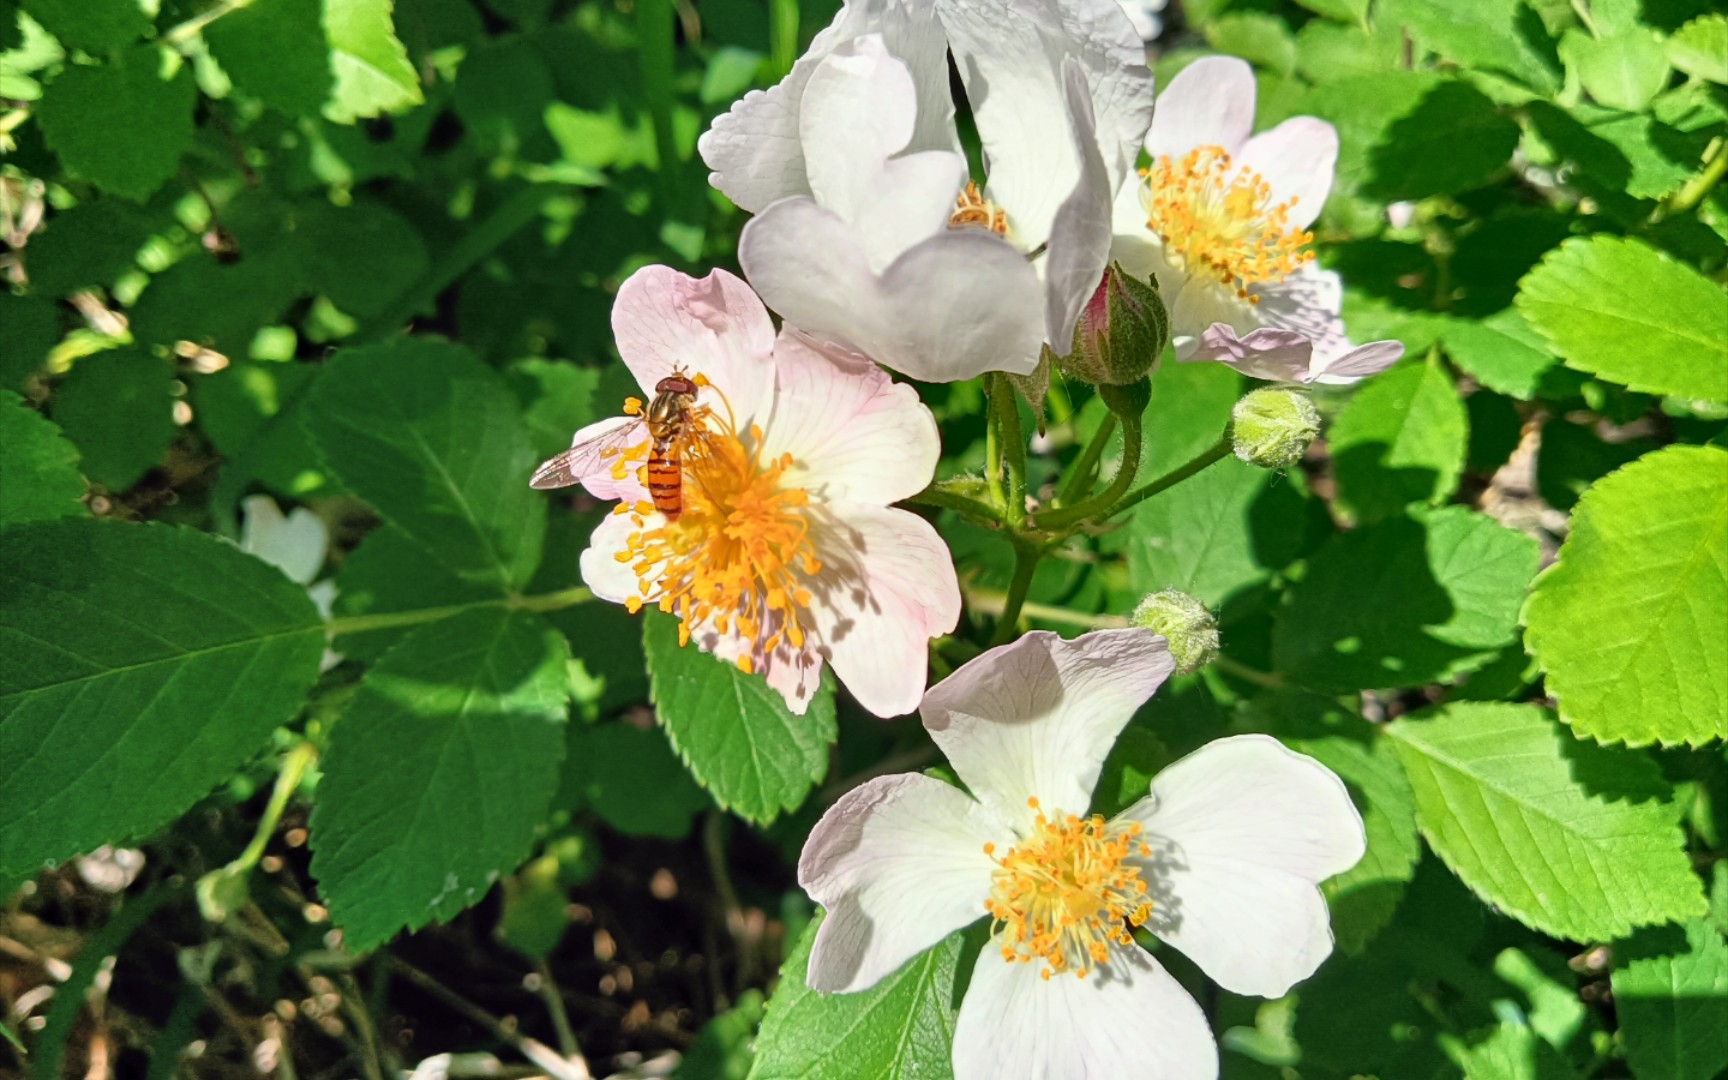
(734, 557)
(973, 211)
(1221, 221)
(1067, 892)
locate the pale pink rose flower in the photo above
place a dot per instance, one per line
(787, 553)
(1221, 219)
(1222, 859)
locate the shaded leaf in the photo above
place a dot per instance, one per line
(117, 407)
(1671, 997)
(120, 125)
(275, 50)
(39, 478)
(1400, 440)
(96, 26)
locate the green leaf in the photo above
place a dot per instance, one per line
(901, 1028)
(1625, 312)
(1514, 1052)
(389, 573)
(1573, 839)
(29, 328)
(89, 245)
(1628, 623)
(95, 26)
(1400, 440)
(737, 736)
(144, 664)
(1255, 36)
(255, 291)
(557, 400)
(1671, 996)
(1327, 52)
(362, 256)
(39, 478)
(121, 125)
(1214, 534)
(439, 771)
(372, 71)
(275, 51)
(117, 407)
(1404, 603)
(1502, 352)
(434, 441)
(611, 766)
(1507, 39)
(1700, 48)
(723, 1048)
(1615, 151)
(1622, 71)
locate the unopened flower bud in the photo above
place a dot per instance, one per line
(1272, 427)
(1121, 333)
(1185, 623)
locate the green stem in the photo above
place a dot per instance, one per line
(654, 36)
(1103, 505)
(782, 35)
(993, 452)
(1080, 476)
(1699, 186)
(1013, 447)
(1025, 562)
(287, 782)
(1247, 674)
(390, 620)
(191, 28)
(1170, 479)
(948, 500)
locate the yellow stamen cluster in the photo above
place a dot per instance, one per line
(736, 557)
(973, 211)
(1067, 892)
(1217, 219)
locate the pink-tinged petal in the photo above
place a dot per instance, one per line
(887, 586)
(594, 471)
(1209, 103)
(1080, 237)
(860, 109)
(1361, 362)
(754, 149)
(1011, 55)
(794, 674)
(899, 865)
(713, 326)
(854, 434)
(603, 573)
(1243, 830)
(1298, 158)
(1035, 718)
(1278, 355)
(954, 306)
(1128, 1018)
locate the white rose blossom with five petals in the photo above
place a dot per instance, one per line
(786, 554)
(1221, 860)
(1221, 219)
(868, 232)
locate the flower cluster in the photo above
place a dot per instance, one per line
(755, 481)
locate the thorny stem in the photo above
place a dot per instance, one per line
(1080, 476)
(1025, 562)
(1104, 505)
(1170, 479)
(389, 620)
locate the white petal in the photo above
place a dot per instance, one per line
(1128, 1018)
(854, 433)
(1359, 363)
(899, 865)
(1297, 158)
(886, 588)
(714, 326)
(1243, 831)
(754, 149)
(1010, 56)
(1277, 355)
(602, 572)
(1209, 103)
(598, 478)
(958, 304)
(1199, 304)
(294, 543)
(859, 112)
(1034, 719)
(1080, 237)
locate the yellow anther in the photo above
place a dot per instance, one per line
(1218, 220)
(973, 211)
(632, 406)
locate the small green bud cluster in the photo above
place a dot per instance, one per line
(1185, 623)
(1272, 427)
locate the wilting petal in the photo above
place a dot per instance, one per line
(755, 151)
(856, 435)
(1127, 1018)
(1243, 831)
(1278, 355)
(714, 326)
(1298, 158)
(959, 304)
(859, 111)
(1360, 362)
(1209, 103)
(886, 588)
(899, 865)
(1035, 719)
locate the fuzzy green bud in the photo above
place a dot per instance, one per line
(1185, 623)
(1272, 427)
(1121, 333)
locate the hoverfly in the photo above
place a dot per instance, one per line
(673, 421)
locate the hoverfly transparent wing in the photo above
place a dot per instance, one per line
(595, 450)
